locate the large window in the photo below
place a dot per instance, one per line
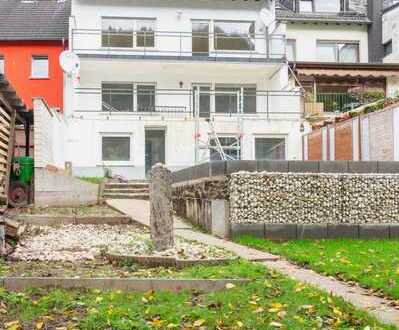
(230, 147)
(117, 97)
(234, 35)
(2, 66)
(327, 6)
(128, 32)
(336, 51)
(146, 98)
(291, 49)
(227, 99)
(39, 67)
(115, 148)
(270, 148)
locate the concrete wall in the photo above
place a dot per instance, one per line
(55, 187)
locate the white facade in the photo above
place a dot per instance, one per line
(168, 66)
(306, 37)
(390, 34)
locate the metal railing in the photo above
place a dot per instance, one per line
(182, 45)
(204, 104)
(338, 102)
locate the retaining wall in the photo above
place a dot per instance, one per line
(290, 200)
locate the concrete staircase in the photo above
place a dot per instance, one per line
(129, 190)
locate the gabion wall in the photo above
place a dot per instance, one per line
(313, 198)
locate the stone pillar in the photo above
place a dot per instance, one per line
(161, 211)
(220, 214)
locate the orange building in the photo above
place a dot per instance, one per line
(32, 36)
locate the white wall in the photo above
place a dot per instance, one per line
(390, 31)
(49, 136)
(306, 36)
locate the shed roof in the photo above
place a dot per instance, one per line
(34, 19)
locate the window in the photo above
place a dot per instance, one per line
(230, 146)
(291, 49)
(145, 98)
(39, 67)
(234, 35)
(387, 49)
(2, 69)
(200, 36)
(115, 148)
(203, 93)
(330, 6)
(227, 99)
(335, 51)
(128, 32)
(117, 97)
(270, 148)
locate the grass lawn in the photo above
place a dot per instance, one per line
(269, 301)
(373, 264)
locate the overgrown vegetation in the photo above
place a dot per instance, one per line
(372, 264)
(270, 302)
(95, 180)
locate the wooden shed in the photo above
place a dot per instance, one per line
(13, 112)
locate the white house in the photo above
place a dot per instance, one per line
(175, 81)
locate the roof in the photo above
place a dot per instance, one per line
(34, 19)
(285, 14)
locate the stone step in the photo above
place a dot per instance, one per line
(130, 185)
(126, 191)
(126, 196)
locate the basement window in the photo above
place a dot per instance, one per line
(40, 68)
(116, 148)
(270, 149)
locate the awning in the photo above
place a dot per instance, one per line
(339, 73)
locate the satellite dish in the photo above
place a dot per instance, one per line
(69, 62)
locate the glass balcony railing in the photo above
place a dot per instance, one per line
(180, 45)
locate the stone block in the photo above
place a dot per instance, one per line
(220, 218)
(388, 167)
(312, 231)
(217, 168)
(362, 167)
(201, 171)
(394, 231)
(342, 230)
(303, 166)
(340, 166)
(374, 231)
(234, 166)
(281, 231)
(253, 229)
(277, 166)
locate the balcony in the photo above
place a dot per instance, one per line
(197, 46)
(200, 102)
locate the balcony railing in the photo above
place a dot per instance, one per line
(180, 45)
(202, 103)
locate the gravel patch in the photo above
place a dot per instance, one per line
(88, 242)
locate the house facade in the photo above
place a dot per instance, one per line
(337, 50)
(32, 36)
(179, 83)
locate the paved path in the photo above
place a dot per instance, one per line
(378, 307)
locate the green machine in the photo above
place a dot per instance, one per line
(21, 181)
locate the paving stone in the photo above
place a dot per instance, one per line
(281, 231)
(234, 166)
(388, 167)
(333, 166)
(374, 231)
(295, 166)
(362, 167)
(278, 166)
(217, 168)
(254, 229)
(342, 231)
(312, 231)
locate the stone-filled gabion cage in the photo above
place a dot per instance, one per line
(263, 197)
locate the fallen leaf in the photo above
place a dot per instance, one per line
(230, 286)
(199, 323)
(39, 325)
